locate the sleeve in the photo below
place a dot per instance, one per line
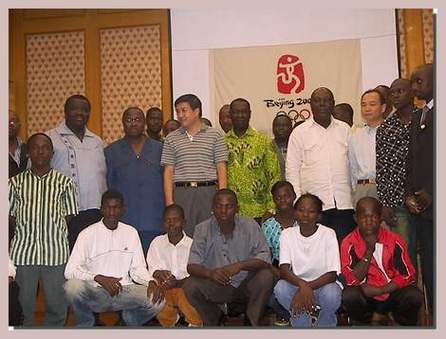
(260, 249)
(12, 199)
(138, 267)
(332, 253)
(349, 259)
(75, 268)
(285, 253)
(168, 154)
(294, 161)
(272, 171)
(404, 270)
(198, 248)
(70, 201)
(154, 261)
(221, 152)
(353, 162)
(110, 170)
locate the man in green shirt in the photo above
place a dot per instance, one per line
(253, 167)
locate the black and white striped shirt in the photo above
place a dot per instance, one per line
(39, 206)
(194, 158)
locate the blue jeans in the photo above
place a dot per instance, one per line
(85, 298)
(328, 297)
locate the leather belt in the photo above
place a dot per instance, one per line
(195, 183)
(366, 181)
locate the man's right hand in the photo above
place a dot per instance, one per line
(157, 292)
(412, 204)
(220, 276)
(303, 300)
(111, 284)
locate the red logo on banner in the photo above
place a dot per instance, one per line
(290, 75)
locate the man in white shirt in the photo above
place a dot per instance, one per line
(167, 262)
(106, 258)
(79, 154)
(317, 162)
(362, 146)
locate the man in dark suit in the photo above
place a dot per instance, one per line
(420, 172)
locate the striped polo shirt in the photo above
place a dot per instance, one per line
(39, 206)
(194, 159)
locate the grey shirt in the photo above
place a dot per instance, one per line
(211, 249)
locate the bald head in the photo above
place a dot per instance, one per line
(322, 105)
(367, 203)
(224, 118)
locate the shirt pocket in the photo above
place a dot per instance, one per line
(313, 150)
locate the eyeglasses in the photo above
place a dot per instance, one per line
(130, 120)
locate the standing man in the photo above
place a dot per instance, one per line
(194, 159)
(154, 121)
(41, 201)
(362, 146)
(134, 169)
(282, 128)
(420, 173)
(228, 262)
(344, 112)
(317, 162)
(253, 167)
(79, 154)
(392, 147)
(17, 149)
(106, 260)
(224, 118)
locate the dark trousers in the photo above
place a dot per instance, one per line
(341, 221)
(206, 295)
(80, 222)
(404, 304)
(197, 204)
(15, 309)
(425, 236)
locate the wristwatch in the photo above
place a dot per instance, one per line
(366, 259)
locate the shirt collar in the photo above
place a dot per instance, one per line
(107, 229)
(63, 129)
(236, 229)
(430, 104)
(50, 172)
(332, 122)
(249, 133)
(180, 243)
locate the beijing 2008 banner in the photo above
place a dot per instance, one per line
(280, 79)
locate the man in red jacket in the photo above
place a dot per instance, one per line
(379, 276)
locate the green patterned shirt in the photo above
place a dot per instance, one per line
(253, 168)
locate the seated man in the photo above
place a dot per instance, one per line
(106, 257)
(377, 270)
(167, 262)
(228, 262)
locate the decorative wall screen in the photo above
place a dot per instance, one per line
(130, 74)
(428, 35)
(55, 69)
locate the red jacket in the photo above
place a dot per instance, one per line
(395, 261)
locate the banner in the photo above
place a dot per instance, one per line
(281, 78)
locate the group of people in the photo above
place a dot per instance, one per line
(196, 221)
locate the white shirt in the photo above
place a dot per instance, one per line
(116, 253)
(310, 257)
(163, 255)
(83, 161)
(317, 162)
(362, 154)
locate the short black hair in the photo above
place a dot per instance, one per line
(239, 99)
(361, 201)
(225, 191)
(206, 121)
(315, 199)
(69, 101)
(283, 115)
(192, 100)
(345, 108)
(36, 135)
(136, 108)
(280, 184)
(112, 194)
(382, 100)
(174, 207)
(153, 109)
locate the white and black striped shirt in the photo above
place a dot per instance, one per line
(194, 159)
(39, 206)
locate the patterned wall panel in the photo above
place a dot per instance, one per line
(130, 74)
(428, 35)
(55, 69)
(402, 43)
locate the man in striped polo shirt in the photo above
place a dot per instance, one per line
(194, 158)
(41, 200)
